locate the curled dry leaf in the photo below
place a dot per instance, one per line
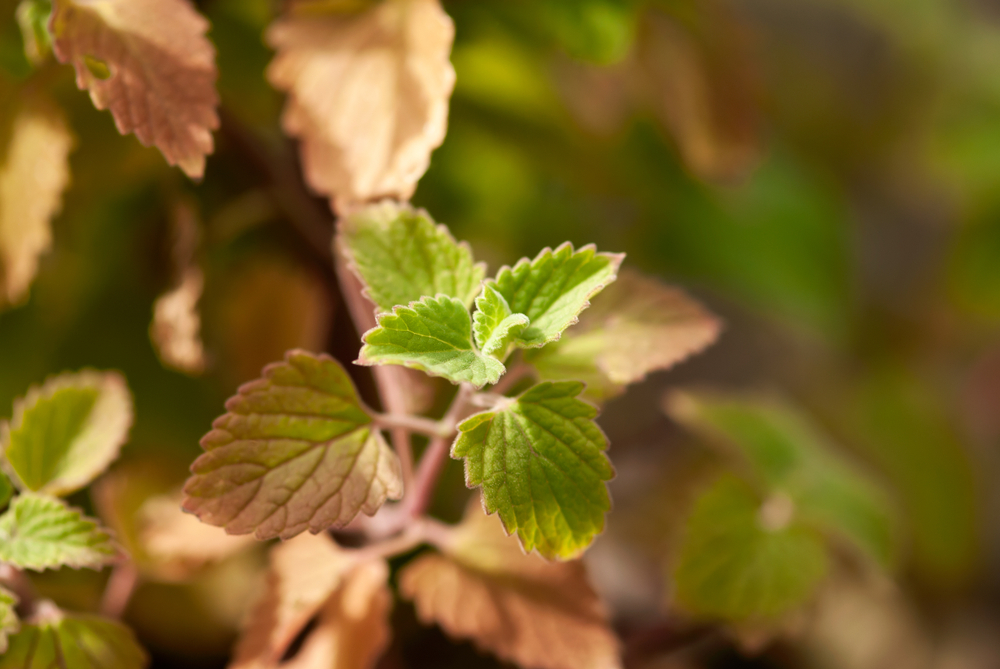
(34, 171)
(367, 95)
(149, 62)
(309, 577)
(177, 324)
(537, 614)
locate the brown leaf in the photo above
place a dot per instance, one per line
(149, 62)
(176, 326)
(34, 171)
(537, 614)
(367, 95)
(311, 576)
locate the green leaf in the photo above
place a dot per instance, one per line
(541, 464)
(63, 641)
(738, 565)
(33, 18)
(39, 532)
(787, 454)
(400, 255)
(9, 624)
(494, 325)
(66, 432)
(635, 326)
(433, 335)
(554, 288)
(296, 451)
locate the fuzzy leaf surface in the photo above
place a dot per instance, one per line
(523, 609)
(433, 335)
(496, 328)
(67, 431)
(296, 451)
(149, 62)
(554, 288)
(367, 95)
(541, 464)
(311, 578)
(34, 172)
(9, 624)
(787, 454)
(732, 566)
(637, 325)
(401, 255)
(74, 642)
(39, 532)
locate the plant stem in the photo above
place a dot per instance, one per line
(433, 458)
(14, 580)
(119, 589)
(418, 424)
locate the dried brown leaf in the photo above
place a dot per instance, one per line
(149, 62)
(34, 171)
(176, 325)
(537, 614)
(311, 576)
(367, 95)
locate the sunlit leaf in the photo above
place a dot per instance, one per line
(312, 579)
(295, 451)
(736, 563)
(789, 455)
(149, 62)
(636, 326)
(400, 255)
(525, 610)
(367, 95)
(540, 461)
(74, 641)
(494, 325)
(67, 431)
(9, 624)
(34, 171)
(554, 288)
(433, 335)
(39, 532)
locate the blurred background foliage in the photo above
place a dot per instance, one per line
(824, 174)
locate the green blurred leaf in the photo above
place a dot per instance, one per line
(33, 18)
(554, 288)
(636, 326)
(9, 624)
(787, 455)
(76, 641)
(39, 532)
(540, 462)
(295, 451)
(6, 490)
(67, 431)
(433, 335)
(736, 566)
(600, 31)
(494, 325)
(400, 255)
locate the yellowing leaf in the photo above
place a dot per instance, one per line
(311, 576)
(149, 62)
(67, 431)
(63, 641)
(367, 95)
(34, 171)
(296, 451)
(635, 326)
(523, 609)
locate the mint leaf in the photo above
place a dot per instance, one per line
(433, 335)
(9, 624)
(39, 532)
(494, 325)
(785, 453)
(78, 641)
(296, 451)
(737, 564)
(635, 326)
(67, 431)
(400, 255)
(554, 288)
(541, 464)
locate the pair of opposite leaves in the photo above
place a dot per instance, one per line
(298, 451)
